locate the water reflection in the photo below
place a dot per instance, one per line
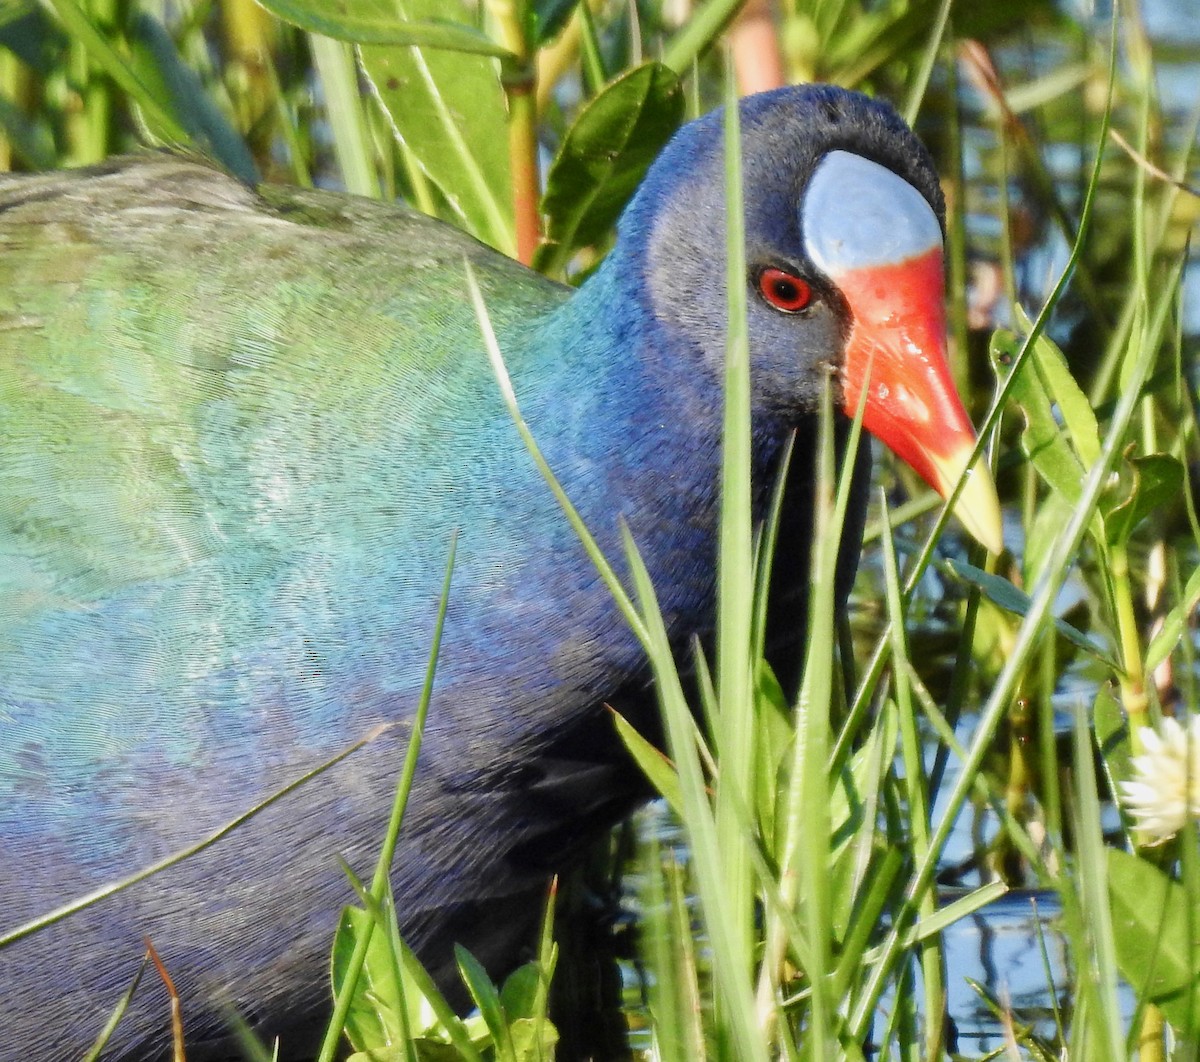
(1008, 959)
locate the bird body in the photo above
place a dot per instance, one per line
(238, 431)
(225, 524)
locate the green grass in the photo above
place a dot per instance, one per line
(802, 915)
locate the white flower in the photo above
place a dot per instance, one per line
(1165, 788)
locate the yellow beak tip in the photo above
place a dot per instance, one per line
(977, 507)
(978, 510)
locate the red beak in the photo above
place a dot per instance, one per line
(897, 348)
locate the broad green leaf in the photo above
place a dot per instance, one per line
(372, 1021)
(373, 1024)
(1174, 624)
(468, 1036)
(1002, 593)
(604, 156)
(1157, 936)
(533, 1041)
(1044, 441)
(1055, 453)
(1147, 484)
(519, 994)
(448, 110)
(1066, 394)
(379, 22)
(392, 1053)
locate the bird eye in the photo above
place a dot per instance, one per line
(785, 291)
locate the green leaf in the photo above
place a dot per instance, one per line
(773, 740)
(106, 56)
(1052, 515)
(1061, 454)
(1147, 484)
(1077, 414)
(604, 156)
(30, 138)
(118, 1012)
(659, 770)
(1157, 937)
(852, 50)
(1043, 440)
(705, 23)
(519, 995)
(32, 36)
(372, 1021)
(853, 830)
(1174, 624)
(547, 17)
(159, 66)
(426, 1051)
(378, 22)
(449, 112)
(1112, 737)
(465, 1036)
(532, 1040)
(1008, 597)
(487, 999)
(12, 10)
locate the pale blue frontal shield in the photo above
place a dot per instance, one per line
(858, 214)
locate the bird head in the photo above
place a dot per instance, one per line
(844, 272)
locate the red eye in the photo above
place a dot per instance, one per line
(784, 291)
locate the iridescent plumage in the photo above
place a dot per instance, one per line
(238, 429)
